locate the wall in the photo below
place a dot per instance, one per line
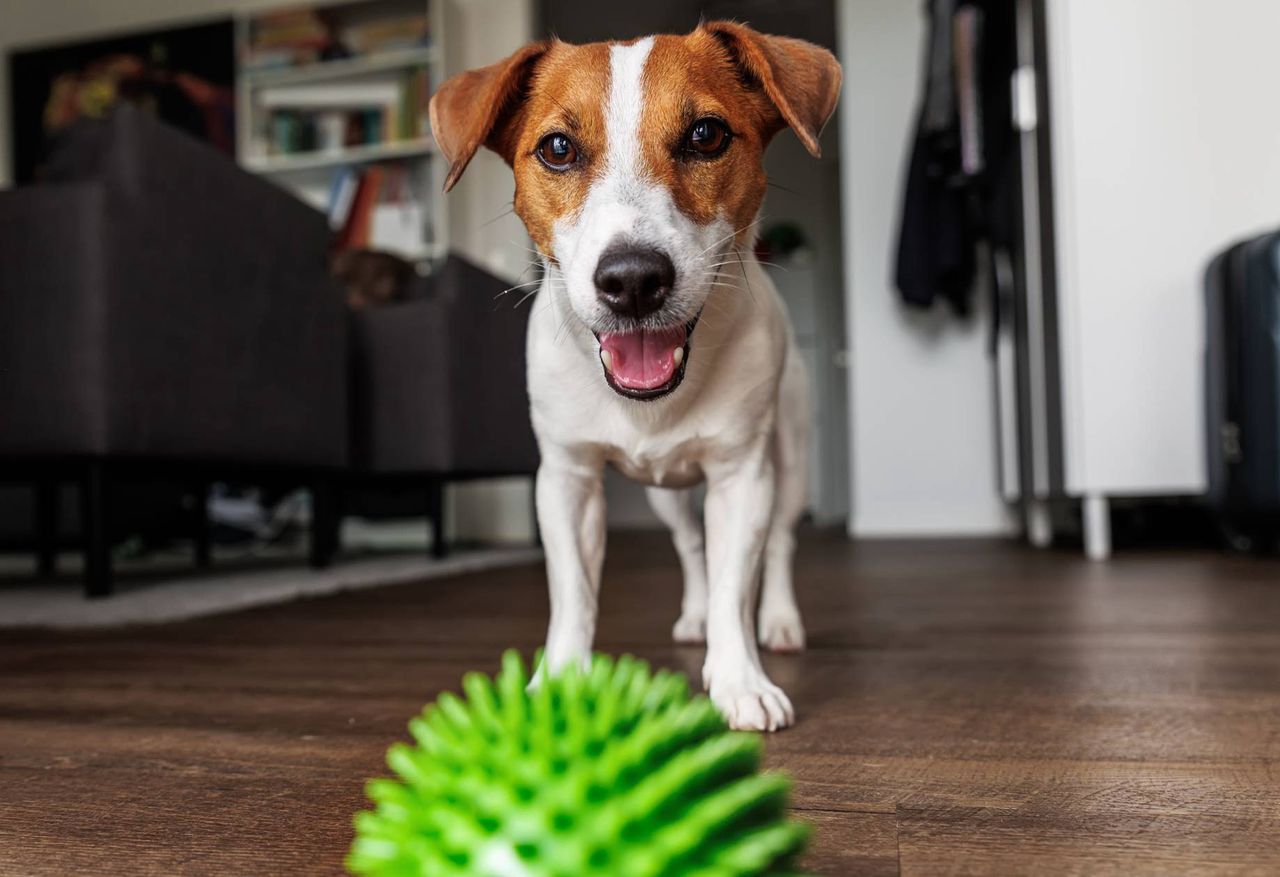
(921, 398)
(478, 32)
(1166, 149)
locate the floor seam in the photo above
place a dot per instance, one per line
(897, 836)
(840, 810)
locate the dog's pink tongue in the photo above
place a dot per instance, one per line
(642, 360)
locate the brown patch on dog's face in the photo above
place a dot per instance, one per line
(689, 79)
(567, 94)
(686, 79)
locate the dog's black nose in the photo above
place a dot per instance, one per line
(634, 281)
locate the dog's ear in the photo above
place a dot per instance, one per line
(801, 79)
(473, 109)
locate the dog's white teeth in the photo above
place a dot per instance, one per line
(677, 355)
(607, 359)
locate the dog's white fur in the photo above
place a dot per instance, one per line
(740, 421)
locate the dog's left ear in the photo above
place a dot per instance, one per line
(472, 109)
(801, 79)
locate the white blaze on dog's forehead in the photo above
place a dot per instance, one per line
(625, 108)
(620, 200)
(625, 203)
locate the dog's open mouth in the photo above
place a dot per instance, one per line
(646, 363)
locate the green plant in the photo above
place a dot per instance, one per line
(612, 770)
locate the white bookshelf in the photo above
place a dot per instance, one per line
(351, 155)
(323, 71)
(310, 174)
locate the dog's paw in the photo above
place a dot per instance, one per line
(781, 631)
(555, 665)
(690, 629)
(760, 706)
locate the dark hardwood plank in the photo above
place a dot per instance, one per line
(965, 708)
(978, 840)
(851, 843)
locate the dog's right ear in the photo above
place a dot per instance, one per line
(473, 109)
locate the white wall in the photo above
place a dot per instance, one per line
(922, 419)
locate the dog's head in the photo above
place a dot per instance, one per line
(639, 170)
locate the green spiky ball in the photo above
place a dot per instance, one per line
(612, 771)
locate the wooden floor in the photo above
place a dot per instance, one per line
(964, 709)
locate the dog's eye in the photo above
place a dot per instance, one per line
(707, 138)
(557, 152)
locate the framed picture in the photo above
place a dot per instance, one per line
(185, 75)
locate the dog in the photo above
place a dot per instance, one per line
(657, 344)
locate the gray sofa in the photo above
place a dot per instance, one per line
(162, 314)
(165, 316)
(437, 391)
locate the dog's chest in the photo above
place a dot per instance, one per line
(660, 465)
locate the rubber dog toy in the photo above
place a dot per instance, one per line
(612, 771)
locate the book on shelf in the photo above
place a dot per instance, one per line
(342, 195)
(288, 28)
(335, 115)
(295, 38)
(287, 39)
(387, 35)
(375, 208)
(356, 231)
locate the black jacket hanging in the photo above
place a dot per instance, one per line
(959, 179)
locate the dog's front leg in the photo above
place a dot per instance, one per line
(571, 516)
(738, 510)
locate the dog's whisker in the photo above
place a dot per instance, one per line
(517, 286)
(564, 327)
(750, 291)
(733, 234)
(744, 261)
(511, 208)
(727, 237)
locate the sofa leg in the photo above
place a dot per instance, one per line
(326, 523)
(435, 511)
(46, 520)
(95, 530)
(202, 548)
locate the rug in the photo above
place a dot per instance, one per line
(181, 594)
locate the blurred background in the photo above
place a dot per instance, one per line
(240, 326)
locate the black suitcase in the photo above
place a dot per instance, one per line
(1242, 387)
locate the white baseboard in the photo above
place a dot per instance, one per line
(925, 521)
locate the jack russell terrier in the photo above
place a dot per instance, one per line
(657, 343)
